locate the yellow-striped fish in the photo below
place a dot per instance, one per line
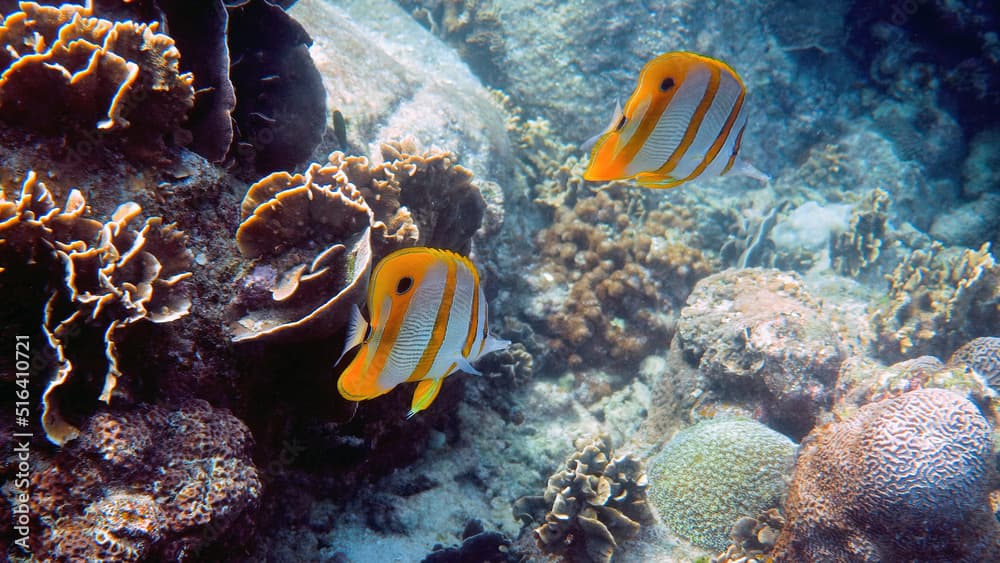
(684, 120)
(428, 319)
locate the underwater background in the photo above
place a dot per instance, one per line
(196, 194)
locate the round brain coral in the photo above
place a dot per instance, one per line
(710, 475)
(906, 478)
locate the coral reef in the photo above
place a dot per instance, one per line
(112, 80)
(759, 335)
(594, 504)
(477, 545)
(147, 483)
(113, 276)
(628, 269)
(749, 243)
(982, 356)
(753, 538)
(856, 250)
(905, 478)
(319, 233)
(711, 474)
(938, 298)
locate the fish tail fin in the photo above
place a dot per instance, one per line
(425, 393)
(744, 168)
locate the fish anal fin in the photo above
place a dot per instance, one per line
(464, 365)
(657, 181)
(425, 393)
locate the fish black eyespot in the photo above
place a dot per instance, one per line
(404, 285)
(667, 84)
(621, 123)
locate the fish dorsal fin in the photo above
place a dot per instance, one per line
(356, 329)
(615, 117)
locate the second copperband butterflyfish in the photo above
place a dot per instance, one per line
(684, 120)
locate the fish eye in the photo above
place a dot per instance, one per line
(404, 285)
(621, 123)
(667, 84)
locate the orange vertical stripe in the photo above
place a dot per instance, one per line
(695, 124)
(713, 152)
(473, 319)
(736, 150)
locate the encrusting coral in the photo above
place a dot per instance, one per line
(906, 478)
(759, 337)
(66, 71)
(628, 272)
(149, 483)
(753, 538)
(596, 502)
(103, 278)
(713, 473)
(938, 298)
(318, 233)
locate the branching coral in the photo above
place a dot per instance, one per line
(937, 299)
(318, 233)
(120, 78)
(627, 273)
(104, 278)
(593, 504)
(713, 473)
(903, 479)
(857, 249)
(149, 483)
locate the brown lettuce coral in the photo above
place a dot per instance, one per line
(938, 298)
(316, 234)
(103, 278)
(594, 503)
(64, 70)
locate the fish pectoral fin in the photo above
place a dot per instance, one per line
(464, 365)
(356, 330)
(427, 390)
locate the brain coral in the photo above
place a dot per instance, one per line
(712, 474)
(903, 479)
(64, 70)
(981, 355)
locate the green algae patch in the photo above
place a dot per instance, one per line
(713, 473)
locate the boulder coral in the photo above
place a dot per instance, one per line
(760, 336)
(906, 478)
(937, 299)
(64, 70)
(149, 483)
(715, 472)
(100, 279)
(593, 504)
(315, 235)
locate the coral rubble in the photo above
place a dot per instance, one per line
(66, 71)
(596, 502)
(713, 473)
(902, 479)
(104, 278)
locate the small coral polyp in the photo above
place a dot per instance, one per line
(104, 278)
(64, 70)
